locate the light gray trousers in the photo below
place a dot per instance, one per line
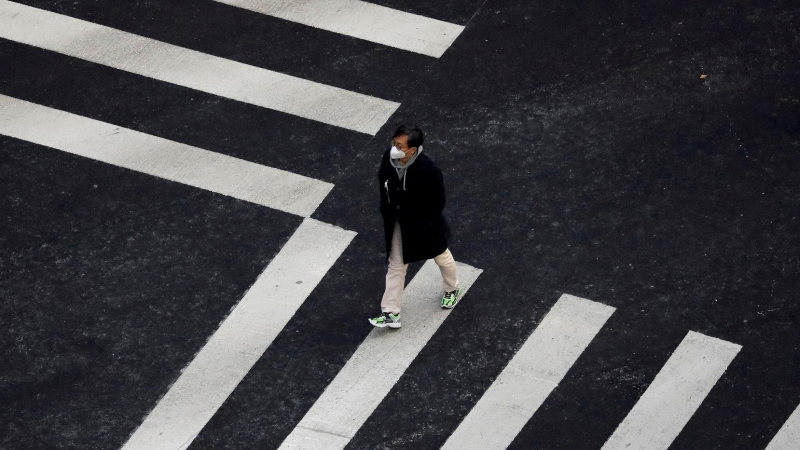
(396, 275)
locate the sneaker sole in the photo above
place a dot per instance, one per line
(385, 325)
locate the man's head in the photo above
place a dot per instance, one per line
(408, 139)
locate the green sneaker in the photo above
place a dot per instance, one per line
(450, 299)
(386, 320)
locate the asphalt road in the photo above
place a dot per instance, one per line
(641, 155)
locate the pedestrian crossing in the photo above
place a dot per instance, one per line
(376, 366)
(675, 393)
(523, 385)
(162, 158)
(531, 375)
(170, 63)
(242, 338)
(263, 312)
(363, 20)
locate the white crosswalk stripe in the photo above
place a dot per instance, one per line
(363, 20)
(376, 366)
(531, 375)
(788, 437)
(242, 338)
(160, 157)
(675, 394)
(192, 69)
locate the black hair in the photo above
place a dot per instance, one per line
(415, 136)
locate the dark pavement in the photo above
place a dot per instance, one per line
(582, 153)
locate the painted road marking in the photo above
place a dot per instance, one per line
(531, 375)
(242, 337)
(363, 20)
(675, 394)
(788, 437)
(192, 69)
(376, 366)
(160, 157)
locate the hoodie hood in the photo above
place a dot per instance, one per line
(402, 168)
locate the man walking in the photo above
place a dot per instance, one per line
(412, 200)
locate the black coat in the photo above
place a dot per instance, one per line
(418, 208)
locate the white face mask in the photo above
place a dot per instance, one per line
(396, 154)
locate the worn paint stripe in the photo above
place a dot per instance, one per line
(376, 366)
(242, 338)
(675, 394)
(192, 69)
(531, 375)
(160, 157)
(363, 20)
